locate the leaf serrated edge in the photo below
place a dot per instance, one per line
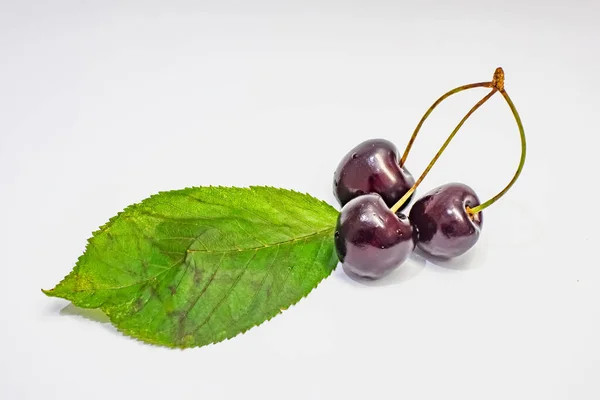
(145, 340)
(103, 227)
(106, 225)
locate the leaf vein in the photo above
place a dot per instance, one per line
(218, 305)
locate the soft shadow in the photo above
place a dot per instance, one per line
(94, 314)
(407, 271)
(462, 263)
(54, 307)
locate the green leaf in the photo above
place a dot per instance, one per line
(190, 267)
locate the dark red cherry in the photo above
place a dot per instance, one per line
(372, 167)
(370, 239)
(444, 227)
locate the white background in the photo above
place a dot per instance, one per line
(105, 103)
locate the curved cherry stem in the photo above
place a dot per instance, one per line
(491, 201)
(433, 106)
(403, 199)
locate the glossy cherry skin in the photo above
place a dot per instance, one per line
(372, 167)
(370, 239)
(444, 227)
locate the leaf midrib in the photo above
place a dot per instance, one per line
(256, 248)
(187, 251)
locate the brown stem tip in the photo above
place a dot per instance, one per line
(498, 79)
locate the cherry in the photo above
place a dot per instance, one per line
(370, 239)
(372, 167)
(445, 227)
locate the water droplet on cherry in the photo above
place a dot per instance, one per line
(372, 167)
(371, 239)
(444, 225)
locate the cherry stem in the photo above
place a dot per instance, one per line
(403, 199)
(491, 201)
(437, 102)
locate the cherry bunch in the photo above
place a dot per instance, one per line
(372, 236)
